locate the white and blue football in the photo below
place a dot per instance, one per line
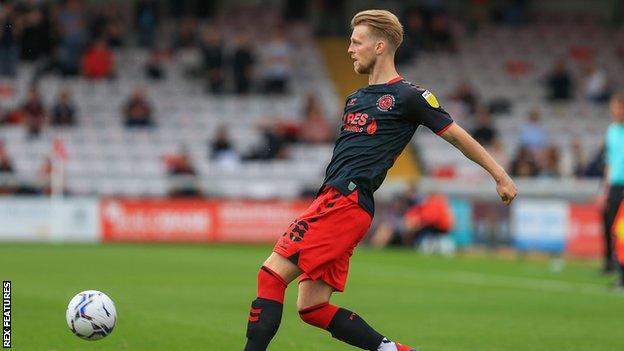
(91, 315)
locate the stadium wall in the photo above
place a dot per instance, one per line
(555, 226)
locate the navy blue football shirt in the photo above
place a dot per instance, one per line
(378, 122)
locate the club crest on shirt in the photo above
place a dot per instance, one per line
(385, 103)
(431, 99)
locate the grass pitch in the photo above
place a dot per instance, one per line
(197, 298)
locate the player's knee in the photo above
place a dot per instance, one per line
(313, 293)
(270, 285)
(282, 266)
(318, 315)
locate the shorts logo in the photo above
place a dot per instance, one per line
(385, 103)
(297, 230)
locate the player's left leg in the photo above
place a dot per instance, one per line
(315, 309)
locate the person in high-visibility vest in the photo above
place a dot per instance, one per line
(614, 176)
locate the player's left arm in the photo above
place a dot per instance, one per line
(423, 108)
(465, 143)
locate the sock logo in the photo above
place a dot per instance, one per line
(254, 314)
(352, 316)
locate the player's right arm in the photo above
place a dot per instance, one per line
(465, 143)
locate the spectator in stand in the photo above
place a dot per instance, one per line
(465, 93)
(479, 14)
(595, 168)
(277, 59)
(186, 36)
(137, 111)
(515, 12)
(182, 165)
(211, 47)
(146, 20)
(36, 32)
(440, 34)
(183, 175)
(64, 110)
(6, 166)
(153, 67)
(596, 83)
(98, 61)
(534, 135)
(559, 82)
(10, 27)
(552, 163)
(486, 134)
(221, 149)
(242, 61)
(33, 112)
(314, 128)
(414, 218)
(391, 227)
(273, 145)
(484, 131)
(108, 23)
(72, 28)
(430, 219)
(413, 37)
(524, 164)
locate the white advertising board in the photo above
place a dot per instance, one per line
(46, 220)
(540, 225)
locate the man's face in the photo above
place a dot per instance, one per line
(362, 49)
(617, 110)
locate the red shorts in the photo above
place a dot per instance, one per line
(321, 240)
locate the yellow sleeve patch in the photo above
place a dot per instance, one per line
(431, 99)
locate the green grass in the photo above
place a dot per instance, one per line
(197, 298)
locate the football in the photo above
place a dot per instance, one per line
(91, 315)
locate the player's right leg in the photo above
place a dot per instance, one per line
(266, 310)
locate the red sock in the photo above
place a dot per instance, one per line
(270, 285)
(319, 315)
(343, 324)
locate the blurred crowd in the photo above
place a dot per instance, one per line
(76, 38)
(534, 153)
(241, 51)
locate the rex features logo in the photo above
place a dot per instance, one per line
(359, 122)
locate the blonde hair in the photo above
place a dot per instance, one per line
(382, 23)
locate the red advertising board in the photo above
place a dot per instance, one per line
(585, 237)
(157, 220)
(177, 220)
(253, 221)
